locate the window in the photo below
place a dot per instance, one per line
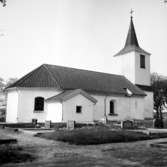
(112, 108)
(39, 104)
(128, 92)
(78, 109)
(142, 61)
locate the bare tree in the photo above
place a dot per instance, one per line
(3, 2)
(159, 87)
(2, 83)
(10, 81)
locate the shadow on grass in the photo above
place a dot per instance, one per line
(13, 154)
(8, 141)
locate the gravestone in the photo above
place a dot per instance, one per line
(127, 124)
(70, 124)
(47, 124)
(34, 122)
(103, 120)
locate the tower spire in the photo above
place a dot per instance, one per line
(131, 43)
(131, 39)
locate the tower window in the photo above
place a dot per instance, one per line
(142, 61)
(39, 104)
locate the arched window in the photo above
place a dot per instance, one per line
(112, 107)
(39, 104)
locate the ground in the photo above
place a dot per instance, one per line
(50, 153)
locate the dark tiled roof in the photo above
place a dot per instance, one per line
(40, 77)
(69, 94)
(145, 87)
(131, 43)
(131, 39)
(65, 78)
(128, 49)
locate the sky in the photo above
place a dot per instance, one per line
(82, 34)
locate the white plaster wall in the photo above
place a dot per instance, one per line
(26, 103)
(116, 65)
(12, 106)
(129, 66)
(69, 109)
(20, 107)
(148, 105)
(54, 111)
(142, 75)
(99, 107)
(125, 107)
(125, 65)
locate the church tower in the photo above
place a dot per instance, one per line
(132, 61)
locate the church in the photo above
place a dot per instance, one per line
(59, 94)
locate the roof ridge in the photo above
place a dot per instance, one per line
(52, 77)
(65, 78)
(117, 75)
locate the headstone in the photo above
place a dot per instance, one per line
(103, 120)
(47, 124)
(70, 124)
(34, 122)
(128, 124)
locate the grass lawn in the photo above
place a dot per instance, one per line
(33, 151)
(140, 156)
(97, 135)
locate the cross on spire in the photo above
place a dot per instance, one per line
(131, 43)
(131, 13)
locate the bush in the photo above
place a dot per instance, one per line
(95, 135)
(159, 123)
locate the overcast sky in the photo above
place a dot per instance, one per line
(78, 33)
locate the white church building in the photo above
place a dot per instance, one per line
(60, 94)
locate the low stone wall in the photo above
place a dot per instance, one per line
(58, 125)
(31, 125)
(114, 124)
(147, 123)
(18, 125)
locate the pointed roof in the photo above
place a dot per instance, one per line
(64, 78)
(131, 43)
(131, 39)
(66, 95)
